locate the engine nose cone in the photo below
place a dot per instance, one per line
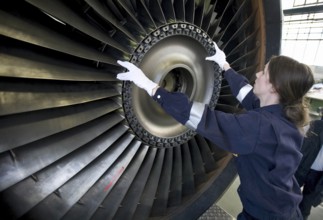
(175, 59)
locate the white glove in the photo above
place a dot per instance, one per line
(219, 56)
(136, 76)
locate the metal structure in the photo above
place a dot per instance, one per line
(75, 143)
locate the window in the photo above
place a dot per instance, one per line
(302, 36)
(305, 2)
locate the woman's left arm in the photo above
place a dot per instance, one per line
(231, 132)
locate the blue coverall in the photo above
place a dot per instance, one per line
(267, 144)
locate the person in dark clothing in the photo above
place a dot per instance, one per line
(269, 150)
(310, 171)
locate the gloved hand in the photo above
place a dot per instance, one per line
(136, 75)
(219, 56)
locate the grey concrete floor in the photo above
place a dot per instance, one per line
(317, 213)
(230, 201)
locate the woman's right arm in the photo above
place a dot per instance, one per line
(239, 85)
(241, 89)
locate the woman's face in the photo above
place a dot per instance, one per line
(262, 86)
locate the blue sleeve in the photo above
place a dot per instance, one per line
(241, 89)
(174, 103)
(237, 133)
(231, 132)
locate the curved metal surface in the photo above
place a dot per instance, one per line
(173, 56)
(72, 137)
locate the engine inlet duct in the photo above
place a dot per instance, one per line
(76, 143)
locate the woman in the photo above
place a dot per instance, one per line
(267, 137)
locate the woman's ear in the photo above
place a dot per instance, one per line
(273, 89)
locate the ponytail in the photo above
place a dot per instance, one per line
(298, 113)
(292, 80)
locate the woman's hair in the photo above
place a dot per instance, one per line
(292, 80)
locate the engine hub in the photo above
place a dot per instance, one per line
(174, 57)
